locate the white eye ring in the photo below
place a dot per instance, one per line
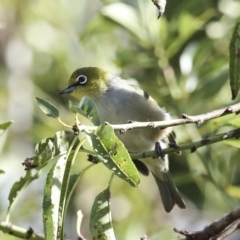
(81, 80)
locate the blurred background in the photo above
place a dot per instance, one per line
(181, 60)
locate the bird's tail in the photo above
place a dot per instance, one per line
(168, 191)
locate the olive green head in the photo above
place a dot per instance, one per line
(88, 81)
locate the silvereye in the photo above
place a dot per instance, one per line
(117, 102)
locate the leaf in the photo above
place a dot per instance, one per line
(112, 153)
(18, 187)
(89, 109)
(47, 108)
(74, 178)
(71, 156)
(86, 108)
(234, 63)
(100, 218)
(2, 171)
(51, 199)
(5, 125)
(49, 148)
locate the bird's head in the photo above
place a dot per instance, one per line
(88, 81)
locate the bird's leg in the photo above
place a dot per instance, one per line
(159, 150)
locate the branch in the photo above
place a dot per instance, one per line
(227, 231)
(193, 146)
(199, 119)
(19, 232)
(218, 230)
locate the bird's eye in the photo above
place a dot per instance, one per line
(81, 80)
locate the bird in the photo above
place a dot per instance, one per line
(118, 101)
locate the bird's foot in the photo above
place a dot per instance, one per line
(159, 151)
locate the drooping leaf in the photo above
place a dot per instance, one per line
(234, 63)
(100, 219)
(18, 187)
(49, 109)
(112, 153)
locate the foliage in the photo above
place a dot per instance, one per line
(181, 60)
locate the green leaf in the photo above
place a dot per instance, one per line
(2, 171)
(89, 110)
(51, 199)
(234, 63)
(49, 148)
(5, 125)
(18, 187)
(74, 178)
(47, 108)
(100, 219)
(112, 153)
(86, 108)
(71, 156)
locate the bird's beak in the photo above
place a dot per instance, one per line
(67, 90)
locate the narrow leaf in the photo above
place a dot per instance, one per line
(100, 219)
(18, 187)
(51, 200)
(47, 108)
(71, 156)
(112, 153)
(234, 63)
(74, 178)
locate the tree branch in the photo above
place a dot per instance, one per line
(199, 119)
(19, 232)
(193, 146)
(217, 230)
